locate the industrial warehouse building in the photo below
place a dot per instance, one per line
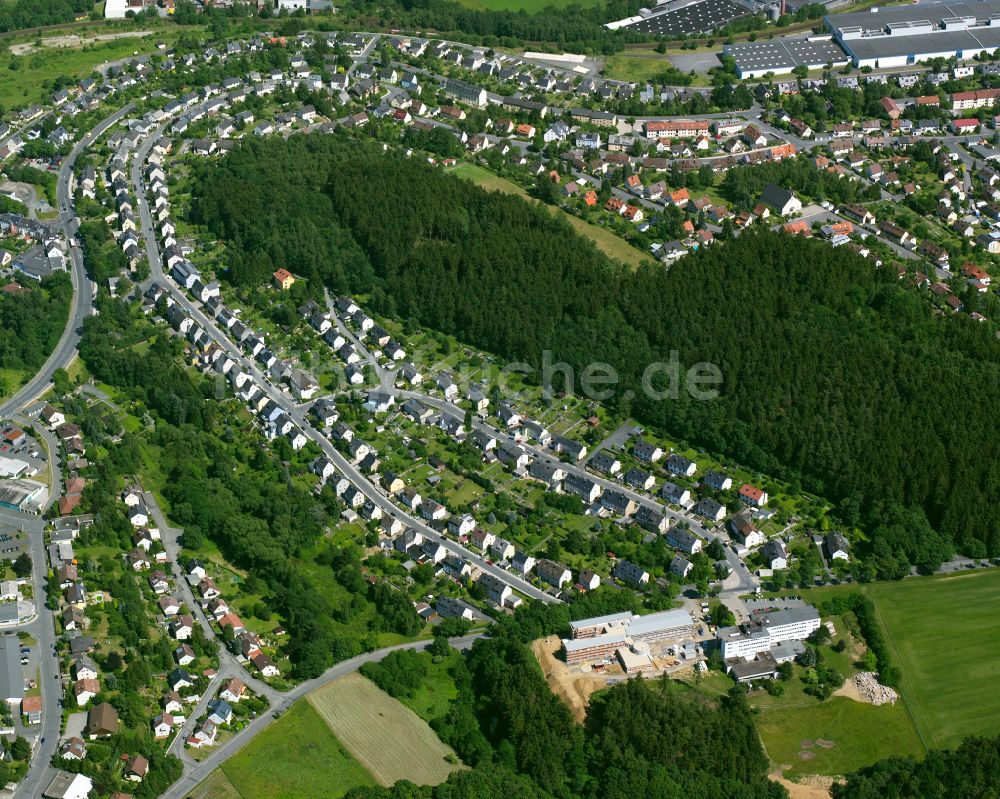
(21, 494)
(898, 36)
(781, 56)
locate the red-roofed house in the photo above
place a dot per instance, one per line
(752, 495)
(283, 279)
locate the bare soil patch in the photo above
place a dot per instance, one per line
(73, 40)
(572, 688)
(808, 787)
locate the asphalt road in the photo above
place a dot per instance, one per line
(348, 469)
(740, 581)
(198, 772)
(40, 772)
(82, 307)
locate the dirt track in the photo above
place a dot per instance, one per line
(810, 787)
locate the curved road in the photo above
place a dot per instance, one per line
(43, 627)
(65, 350)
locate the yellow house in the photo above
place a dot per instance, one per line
(283, 279)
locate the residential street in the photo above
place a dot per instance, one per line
(197, 773)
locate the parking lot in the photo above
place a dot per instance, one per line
(17, 447)
(701, 17)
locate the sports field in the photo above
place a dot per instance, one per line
(385, 736)
(945, 632)
(607, 242)
(295, 758)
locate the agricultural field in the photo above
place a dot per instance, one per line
(296, 758)
(944, 636)
(216, 786)
(607, 242)
(385, 736)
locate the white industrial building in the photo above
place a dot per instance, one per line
(115, 9)
(903, 35)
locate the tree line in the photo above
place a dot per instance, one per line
(36, 13)
(640, 736)
(972, 772)
(224, 487)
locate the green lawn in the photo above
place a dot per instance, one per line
(11, 381)
(32, 74)
(638, 68)
(852, 735)
(611, 245)
(296, 758)
(944, 635)
(436, 691)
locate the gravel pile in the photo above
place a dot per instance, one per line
(870, 688)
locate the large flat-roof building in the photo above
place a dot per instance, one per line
(601, 637)
(902, 35)
(766, 629)
(20, 494)
(781, 56)
(11, 674)
(674, 17)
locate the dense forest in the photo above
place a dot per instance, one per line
(971, 772)
(833, 375)
(579, 27)
(31, 323)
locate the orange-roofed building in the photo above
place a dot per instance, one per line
(752, 495)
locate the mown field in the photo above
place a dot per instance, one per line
(217, 786)
(385, 736)
(836, 736)
(295, 758)
(607, 242)
(943, 632)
